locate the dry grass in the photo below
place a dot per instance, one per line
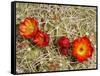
(70, 21)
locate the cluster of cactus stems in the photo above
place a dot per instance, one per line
(55, 37)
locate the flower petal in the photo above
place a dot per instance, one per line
(29, 27)
(41, 39)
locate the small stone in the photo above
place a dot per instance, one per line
(50, 59)
(44, 70)
(95, 46)
(29, 49)
(41, 62)
(87, 33)
(61, 65)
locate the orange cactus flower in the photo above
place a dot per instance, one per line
(28, 27)
(41, 39)
(82, 48)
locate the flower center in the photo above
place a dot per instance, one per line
(30, 28)
(81, 49)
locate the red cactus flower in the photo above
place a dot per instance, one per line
(28, 27)
(82, 49)
(41, 39)
(63, 51)
(63, 42)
